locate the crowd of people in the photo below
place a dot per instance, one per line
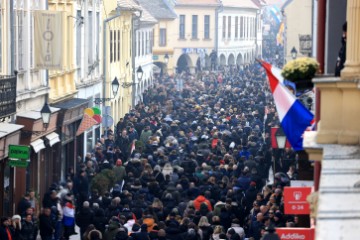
(190, 164)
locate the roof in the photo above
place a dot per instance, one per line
(72, 103)
(146, 16)
(159, 9)
(128, 5)
(199, 2)
(240, 4)
(8, 128)
(35, 114)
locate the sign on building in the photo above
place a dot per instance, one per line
(295, 200)
(48, 39)
(19, 152)
(296, 233)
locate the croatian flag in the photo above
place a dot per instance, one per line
(295, 118)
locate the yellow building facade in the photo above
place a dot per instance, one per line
(117, 54)
(61, 82)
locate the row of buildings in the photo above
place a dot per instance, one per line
(108, 53)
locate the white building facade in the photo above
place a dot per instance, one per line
(144, 38)
(239, 33)
(89, 80)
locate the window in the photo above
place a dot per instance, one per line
(119, 51)
(224, 27)
(142, 44)
(111, 46)
(194, 34)
(138, 44)
(20, 40)
(115, 46)
(31, 40)
(229, 26)
(98, 35)
(162, 39)
(90, 38)
(241, 27)
(236, 27)
(78, 40)
(207, 26)
(182, 27)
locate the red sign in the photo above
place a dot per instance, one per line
(273, 139)
(296, 233)
(295, 200)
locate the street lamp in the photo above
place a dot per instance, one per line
(139, 73)
(45, 114)
(293, 53)
(166, 58)
(277, 55)
(115, 86)
(280, 138)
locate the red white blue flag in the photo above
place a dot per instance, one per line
(294, 117)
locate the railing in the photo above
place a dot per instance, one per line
(7, 95)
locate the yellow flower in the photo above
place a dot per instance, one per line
(300, 69)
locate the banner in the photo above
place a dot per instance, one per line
(48, 39)
(296, 233)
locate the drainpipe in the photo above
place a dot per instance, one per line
(135, 19)
(104, 47)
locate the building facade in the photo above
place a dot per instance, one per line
(239, 35)
(144, 38)
(163, 33)
(194, 35)
(297, 36)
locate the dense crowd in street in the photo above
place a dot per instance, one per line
(190, 164)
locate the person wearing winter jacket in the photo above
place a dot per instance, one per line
(201, 199)
(28, 229)
(68, 219)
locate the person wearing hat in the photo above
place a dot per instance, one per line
(142, 235)
(113, 229)
(270, 234)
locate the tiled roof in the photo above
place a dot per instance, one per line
(158, 9)
(240, 4)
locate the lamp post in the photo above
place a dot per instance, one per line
(280, 138)
(279, 143)
(45, 115)
(139, 73)
(166, 59)
(293, 53)
(115, 88)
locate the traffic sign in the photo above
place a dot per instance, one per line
(19, 152)
(296, 233)
(106, 110)
(107, 121)
(18, 163)
(295, 200)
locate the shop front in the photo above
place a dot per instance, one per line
(72, 146)
(40, 172)
(9, 135)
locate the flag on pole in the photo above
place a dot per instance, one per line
(294, 117)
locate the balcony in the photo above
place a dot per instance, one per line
(7, 96)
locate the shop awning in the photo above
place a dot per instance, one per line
(53, 138)
(37, 145)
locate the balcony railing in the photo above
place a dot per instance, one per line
(7, 95)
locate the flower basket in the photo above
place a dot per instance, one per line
(301, 71)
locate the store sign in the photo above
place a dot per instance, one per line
(155, 57)
(18, 163)
(296, 233)
(295, 200)
(19, 152)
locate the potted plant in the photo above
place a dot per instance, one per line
(300, 71)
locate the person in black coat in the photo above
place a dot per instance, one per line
(84, 217)
(28, 229)
(24, 204)
(46, 225)
(142, 235)
(5, 229)
(100, 219)
(340, 61)
(81, 187)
